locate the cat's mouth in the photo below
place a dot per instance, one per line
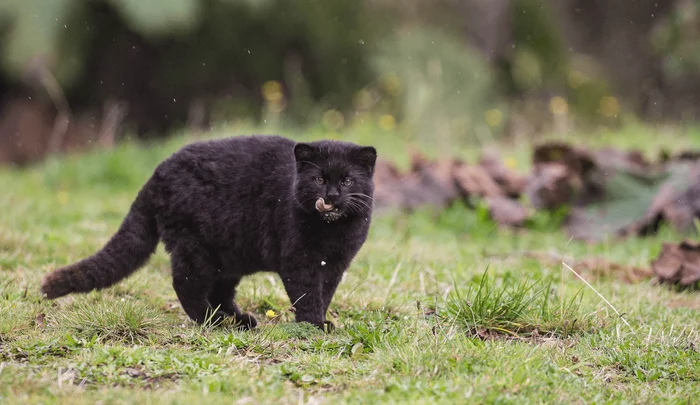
(329, 212)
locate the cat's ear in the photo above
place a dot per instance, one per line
(367, 157)
(304, 152)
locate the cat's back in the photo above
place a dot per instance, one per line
(239, 150)
(230, 159)
(240, 168)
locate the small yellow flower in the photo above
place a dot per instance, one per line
(510, 163)
(270, 314)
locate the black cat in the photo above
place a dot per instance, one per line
(232, 207)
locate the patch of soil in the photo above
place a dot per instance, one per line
(589, 267)
(148, 381)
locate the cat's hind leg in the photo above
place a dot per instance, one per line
(223, 294)
(193, 280)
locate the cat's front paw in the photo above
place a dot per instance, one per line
(216, 319)
(246, 322)
(327, 326)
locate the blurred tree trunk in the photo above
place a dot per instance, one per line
(487, 23)
(617, 34)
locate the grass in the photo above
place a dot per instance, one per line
(517, 308)
(437, 308)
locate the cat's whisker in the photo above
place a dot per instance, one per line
(356, 210)
(362, 205)
(355, 207)
(355, 200)
(350, 206)
(359, 194)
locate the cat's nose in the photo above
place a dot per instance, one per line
(332, 195)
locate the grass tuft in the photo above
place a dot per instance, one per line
(292, 330)
(122, 321)
(517, 309)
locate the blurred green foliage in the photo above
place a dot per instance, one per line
(679, 39)
(539, 49)
(397, 64)
(191, 47)
(436, 85)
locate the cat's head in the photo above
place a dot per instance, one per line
(334, 179)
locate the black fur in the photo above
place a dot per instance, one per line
(228, 208)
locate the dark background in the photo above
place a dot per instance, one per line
(75, 73)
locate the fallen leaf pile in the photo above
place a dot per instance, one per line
(443, 182)
(608, 192)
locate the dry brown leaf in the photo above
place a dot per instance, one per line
(678, 264)
(428, 184)
(436, 177)
(506, 211)
(134, 372)
(631, 161)
(475, 181)
(387, 179)
(676, 202)
(40, 320)
(596, 266)
(552, 185)
(578, 160)
(628, 274)
(512, 183)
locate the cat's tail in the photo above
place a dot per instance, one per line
(127, 250)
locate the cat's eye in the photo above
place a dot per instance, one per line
(318, 180)
(347, 182)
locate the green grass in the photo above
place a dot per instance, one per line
(437, 308)
(517, 308)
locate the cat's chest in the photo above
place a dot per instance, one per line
(333, 245)
(327, 256)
